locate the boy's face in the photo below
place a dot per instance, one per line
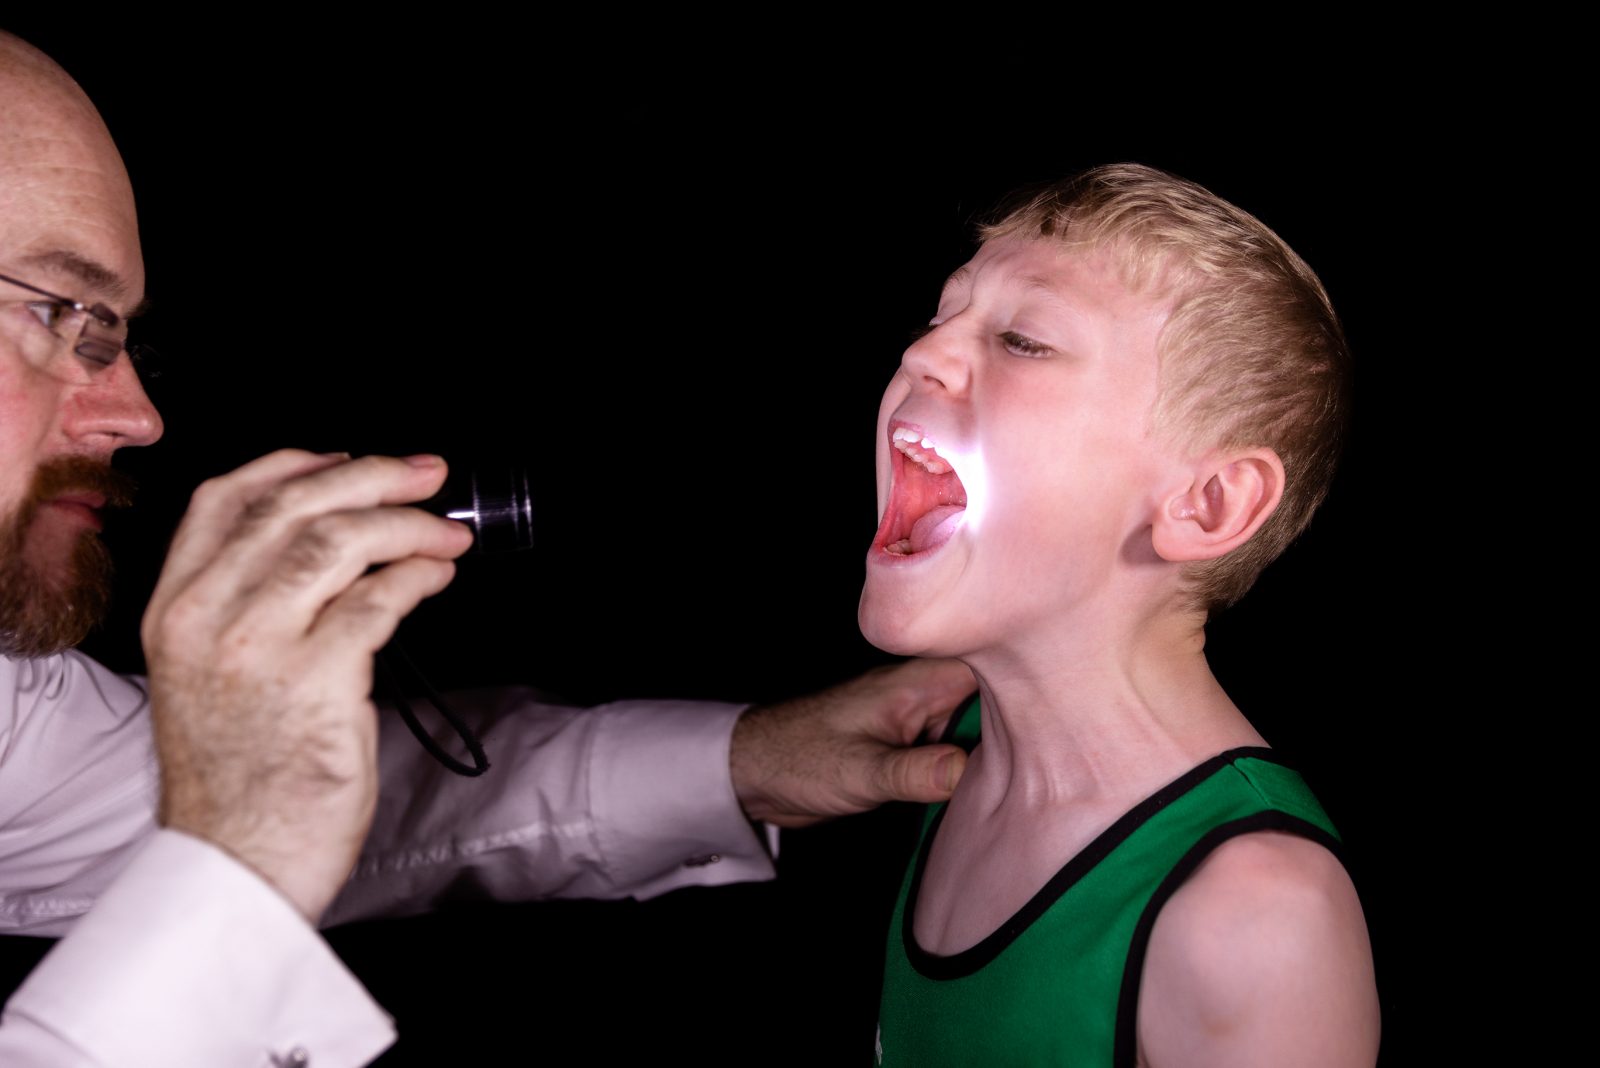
(1036, 383)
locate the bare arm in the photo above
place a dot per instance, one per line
(1260, 958)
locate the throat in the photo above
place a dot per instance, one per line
(925, 508)
(934, 528)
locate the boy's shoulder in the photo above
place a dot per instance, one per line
(1267, 926)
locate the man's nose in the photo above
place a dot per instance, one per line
(112, 410)
(938, 360)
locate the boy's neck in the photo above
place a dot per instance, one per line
(1098, 711)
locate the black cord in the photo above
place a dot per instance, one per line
(389, 675)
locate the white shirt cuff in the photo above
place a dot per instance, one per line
(665, 812)
(190, 958)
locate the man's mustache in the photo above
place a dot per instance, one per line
(80, 474)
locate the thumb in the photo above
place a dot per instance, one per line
(924, 773)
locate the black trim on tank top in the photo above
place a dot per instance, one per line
(970, 960)
(1126, 1045)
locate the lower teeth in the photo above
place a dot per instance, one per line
(899, 548)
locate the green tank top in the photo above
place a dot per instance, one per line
(1058, 983)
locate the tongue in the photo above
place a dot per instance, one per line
(923, 533)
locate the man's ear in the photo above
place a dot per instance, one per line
(1229, 497)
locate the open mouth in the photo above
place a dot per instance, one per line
(926, 497)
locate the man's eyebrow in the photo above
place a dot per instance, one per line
(97, 276)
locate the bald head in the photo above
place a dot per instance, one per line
(65, 198)
(31, 78)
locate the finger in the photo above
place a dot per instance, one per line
(950, 684)
(924, 774)
(365, 616)
(927, 694)
(365, 483)
(328, 555)
(360, 483)
(223, 496)
(267, 525)
(258, 503)
(215, 506)
(943, 681)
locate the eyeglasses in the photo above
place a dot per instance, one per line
(93, 333)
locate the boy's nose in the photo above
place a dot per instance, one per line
(937, 361)
(112, 410)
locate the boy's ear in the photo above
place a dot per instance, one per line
(1230, 496)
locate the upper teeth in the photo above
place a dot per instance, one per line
(920, 449)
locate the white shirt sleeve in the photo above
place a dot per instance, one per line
(631, 799)
(189, 959)
(78, 782)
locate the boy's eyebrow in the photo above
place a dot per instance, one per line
(1035, 282)
(1040, 284)
(960, 274)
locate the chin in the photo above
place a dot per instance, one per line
(889, 640)
(874, 622)
(894, 630)
(50, 605)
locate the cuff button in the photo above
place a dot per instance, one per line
(702, 861)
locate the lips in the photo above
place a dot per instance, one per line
(926, 498)
(84, 506)
(86, 499)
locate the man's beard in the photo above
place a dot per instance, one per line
(44, 613)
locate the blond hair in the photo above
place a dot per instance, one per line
(1251, 354)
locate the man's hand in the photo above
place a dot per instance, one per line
(260, 637)
(847, 749)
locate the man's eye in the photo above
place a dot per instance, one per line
(1024, 346)
(49, 313)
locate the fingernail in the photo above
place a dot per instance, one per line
(335, 455)
(425, 460)
(949, 772)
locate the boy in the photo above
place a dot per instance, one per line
(1127, 404)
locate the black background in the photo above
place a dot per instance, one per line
(675, 288)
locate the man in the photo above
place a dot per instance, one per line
(259, 639)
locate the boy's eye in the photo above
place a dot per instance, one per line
(1024, 346)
